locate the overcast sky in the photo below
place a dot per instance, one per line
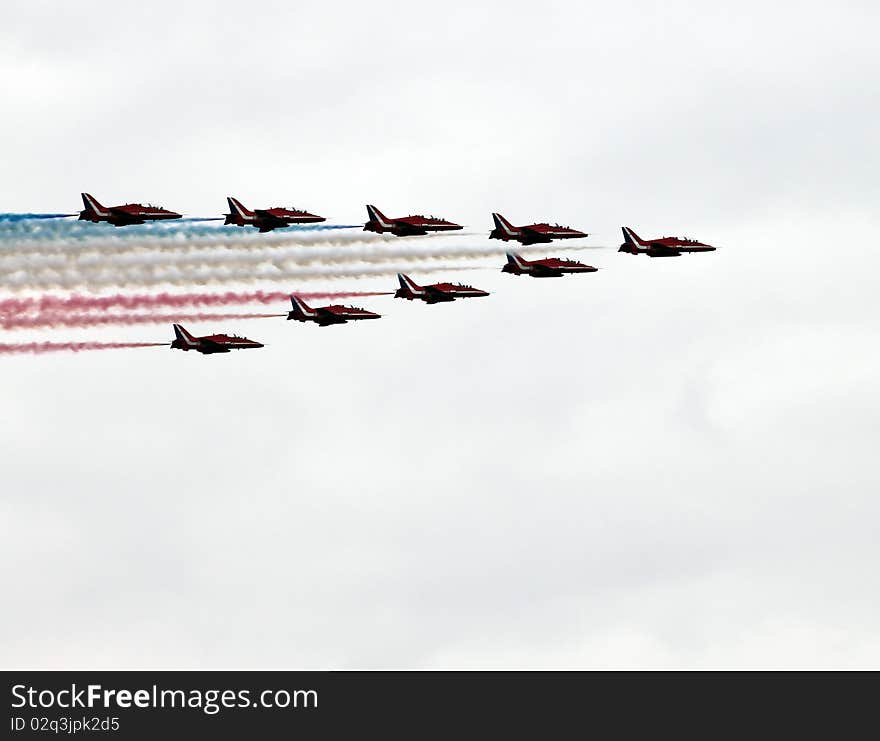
(665, 464)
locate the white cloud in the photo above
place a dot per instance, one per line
(664, 464)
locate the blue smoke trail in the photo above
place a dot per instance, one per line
(29, 217)
(30, 227)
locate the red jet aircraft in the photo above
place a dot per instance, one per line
(663, 247)
(436, 293)
(532, 233)
(211, 344)
(267, 219)
(324, 316)
(407, 226)
(549, 267)
(130, 213)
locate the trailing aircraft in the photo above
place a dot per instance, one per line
(531, 233)
(267, 219)
(215, 343)
(130, 213)
(435, 293)
(324, 316)
(549, 267)
(406, 226)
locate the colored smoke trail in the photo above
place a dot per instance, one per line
(43, 321)
(59, 304)
(38, 348)
(52, 228)
(48, 279)
(14, 218)
(43, 241)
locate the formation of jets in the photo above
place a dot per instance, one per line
(268, 219)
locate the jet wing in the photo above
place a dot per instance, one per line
(533, 235)
(119, 214)
(435, 294)
(664, 249)
(545, 271)
(268, 216)
(209, 346)
(412, 229)
(329, 317)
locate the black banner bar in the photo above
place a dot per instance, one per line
(134, 705)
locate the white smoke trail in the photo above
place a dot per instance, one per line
(291, 256)
(186, 242)
(147, 276)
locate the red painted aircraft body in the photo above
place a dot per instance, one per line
(215, 343)
(549, 267)
(435, 293)
(663, 247)
(532, 233)
(130, 213)
(267, 219)
(324, 316)
(406, 226)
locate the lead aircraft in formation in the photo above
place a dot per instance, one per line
(267, 219)
(662, 247)
(125, 215)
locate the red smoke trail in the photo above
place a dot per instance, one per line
(52, 303)
(38, 348)
(97, 320)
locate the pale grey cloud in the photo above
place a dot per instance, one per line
(667, 463)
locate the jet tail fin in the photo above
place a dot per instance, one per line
(503, 224)
(301, 306)
(376, 215)
(184, 336)
(631, 238)
(407, 284)
(92, 206)
(236, 207)
(515, 260)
